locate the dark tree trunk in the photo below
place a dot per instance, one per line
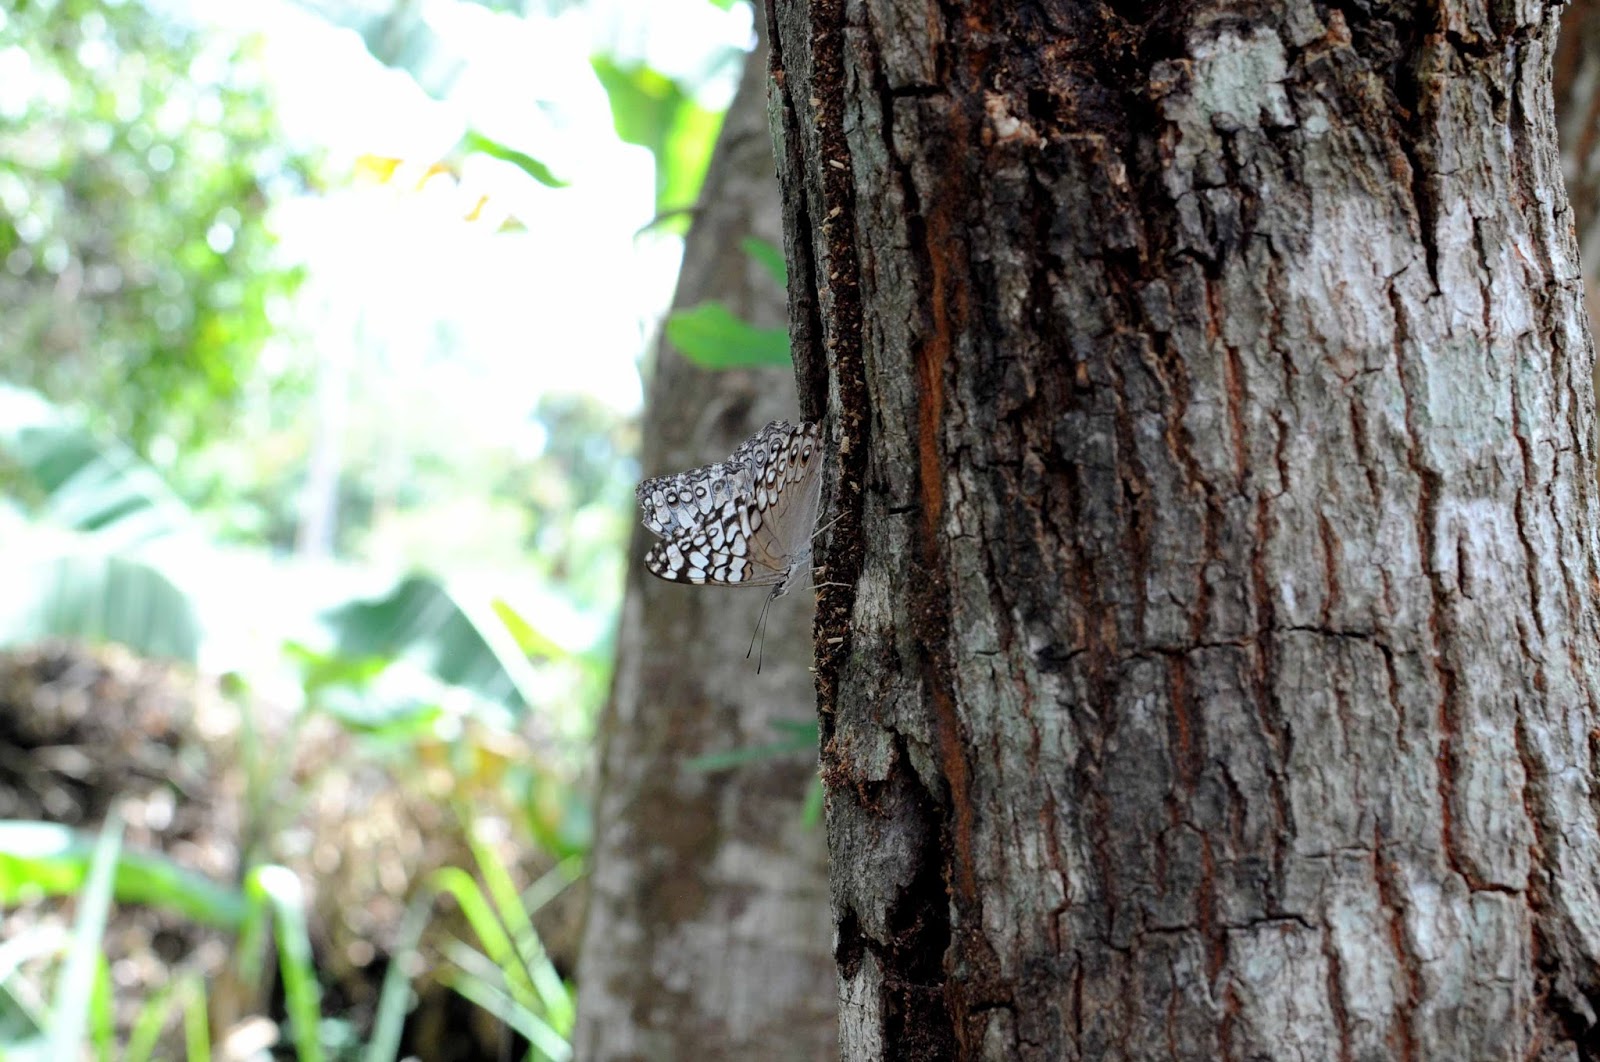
(1214, 673)
(707, 936)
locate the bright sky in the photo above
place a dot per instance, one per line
(398, 272)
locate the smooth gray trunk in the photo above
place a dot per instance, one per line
(707, 934)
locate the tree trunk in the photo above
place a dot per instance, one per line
(1576, 81)
(1576, 84)
(707, 935)
(1213, 675)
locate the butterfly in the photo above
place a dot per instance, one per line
(746, 521)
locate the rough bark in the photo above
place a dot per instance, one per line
(1214, 673)
(707, 935)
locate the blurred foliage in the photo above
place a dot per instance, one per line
(578, 495)
(421, 621)
(711, 336)
(385, 814)
(77, 565)
(508, 973)
(136, 268)
(486, 145)
(143, 296)
(98, 563)
(654, 111)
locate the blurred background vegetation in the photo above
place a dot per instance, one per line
(320, 338)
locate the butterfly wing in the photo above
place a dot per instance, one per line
(674, 504)
(785, 501)
(716, 552)
(747, 521)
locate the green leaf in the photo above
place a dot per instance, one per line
(800, 735)
(43, 858)
(449, 636)
(721, 761)
(811, 813)
(399, 720)
(348, 689)
(100, 582)
(713, 338)
(196, 1027)
(320, 671)
(768, 256)
(803, 729)
(532, 641)
(690, 140)
(477, 142)
(97, 597)
(651, 110)
(88, 483)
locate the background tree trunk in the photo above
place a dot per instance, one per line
(1576, 84)
(1215, 673)
(707, 934)
(1576, 79)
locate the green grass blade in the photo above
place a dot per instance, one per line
(490, 933)
(394, 999)
(100, 1015)
(24, 1014)
(547, 1041)
(149, 1022)
(69, 1008)
(552, 883)
(302, 995)
(28, 1051)
(552, 991)
(196, 1026)
(35, 942)
(22, 1020)
(248, 949)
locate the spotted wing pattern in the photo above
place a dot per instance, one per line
(746, 521)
